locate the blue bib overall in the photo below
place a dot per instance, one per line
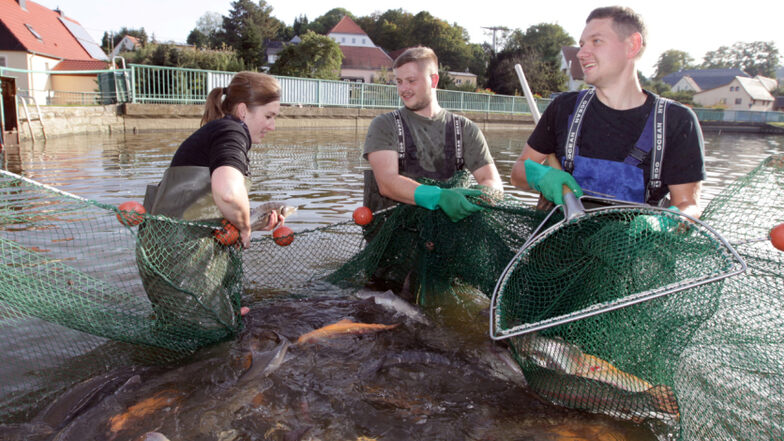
(618, 181)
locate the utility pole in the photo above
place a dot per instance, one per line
(495, 29)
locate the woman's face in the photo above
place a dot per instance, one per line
(260, 119)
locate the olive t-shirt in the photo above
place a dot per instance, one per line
(429, 136)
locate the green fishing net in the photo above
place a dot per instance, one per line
(655, 326)
(73, 302)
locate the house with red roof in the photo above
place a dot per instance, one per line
(43, 42)
(363, 61)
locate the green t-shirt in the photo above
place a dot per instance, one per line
(428, 135)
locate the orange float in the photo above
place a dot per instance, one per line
(283, 236)
(777, 237)
(228, 234)
(131, 213)
(363, 216)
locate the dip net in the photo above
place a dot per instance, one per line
(83, 293)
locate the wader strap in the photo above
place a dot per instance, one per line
(401, 140)
(659, 127)
(584, 98)
(458, 141)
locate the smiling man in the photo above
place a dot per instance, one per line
(422, 140)
(615, 141)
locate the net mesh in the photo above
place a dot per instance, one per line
(83, 293)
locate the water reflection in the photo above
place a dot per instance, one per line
(315, 168)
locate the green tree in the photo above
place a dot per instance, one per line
(300, 25)
(206, 32)
(317, 56)
(390, 30)
(172, 56)
(538, 51)
(685, 97)
(479, 61)
(546, 39)
(756, 58)
(111, 39)
(542, 78)
(326, 22)
(396, 29)
(671, 61)
(449, 42)
(246, 28)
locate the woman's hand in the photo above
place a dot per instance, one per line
(275, 220)
(231, 197)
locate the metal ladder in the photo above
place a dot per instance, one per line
(30, 118)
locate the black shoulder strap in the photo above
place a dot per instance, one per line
(584, 98)
(659, 137)
(457, 122)
(401, 139)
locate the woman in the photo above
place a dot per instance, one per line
(190, 278)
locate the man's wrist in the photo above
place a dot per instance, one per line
(427, 196)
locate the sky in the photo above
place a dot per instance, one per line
(695, 27)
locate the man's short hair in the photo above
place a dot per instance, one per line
(423, 56)
(625, 22)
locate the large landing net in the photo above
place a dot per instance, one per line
(636, 314)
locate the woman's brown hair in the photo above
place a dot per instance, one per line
(251, 88)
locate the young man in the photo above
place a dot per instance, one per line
(610, 139)
(423, 140)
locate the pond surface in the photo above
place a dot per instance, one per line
(417, 381)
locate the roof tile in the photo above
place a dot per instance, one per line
(347, 26)
(361, 57)
(56, 41)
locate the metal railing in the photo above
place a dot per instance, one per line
(739, 116)
(65, 98)
(172, 85)
(155, 84)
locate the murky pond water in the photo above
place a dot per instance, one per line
(436, 380)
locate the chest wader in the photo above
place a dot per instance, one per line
(408, 163)
(389, 273)
(612, 180)
(191, 280)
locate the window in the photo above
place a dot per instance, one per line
(363, 41)
(353, 40)
(32, 31)
(738, 100)
(343, 39)
(3, 62)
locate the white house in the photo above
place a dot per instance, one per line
(740, 94)
(127, 44)
(363, 61)
(570, 65)
(37, 39)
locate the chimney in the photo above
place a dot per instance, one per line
(59, 12)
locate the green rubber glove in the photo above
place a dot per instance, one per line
(550, 181)
(653, 223)
(452, 201)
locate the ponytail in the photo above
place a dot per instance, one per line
(212, 109)
(251, 88)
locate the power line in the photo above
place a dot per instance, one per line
(495, 29)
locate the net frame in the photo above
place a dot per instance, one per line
(574, 213)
